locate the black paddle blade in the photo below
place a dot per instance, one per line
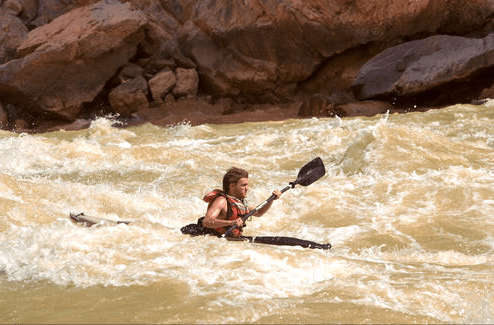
(310, 173)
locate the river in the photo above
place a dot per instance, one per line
(407, 203)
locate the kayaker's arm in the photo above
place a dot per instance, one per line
(265, 208)
(216, 215)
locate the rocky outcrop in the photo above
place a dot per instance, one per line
(162, 83)
(139, 55)
(263, 50)
(68, 62)
(179, 83)
(418, 66)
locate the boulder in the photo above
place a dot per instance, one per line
(129, 97)
(67, 62)
(187, 83)
(11, 7)
(12, 34)
(161, 84)
(418, 66)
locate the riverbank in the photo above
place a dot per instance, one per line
(199, 111)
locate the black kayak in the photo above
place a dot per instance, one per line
(196, 229)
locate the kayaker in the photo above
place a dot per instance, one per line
(226, 207)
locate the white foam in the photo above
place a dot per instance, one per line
(407, 209)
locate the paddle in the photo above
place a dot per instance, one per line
(310, 173)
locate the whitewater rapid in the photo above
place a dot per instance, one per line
(407, 203)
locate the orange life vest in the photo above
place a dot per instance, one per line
(236, 209)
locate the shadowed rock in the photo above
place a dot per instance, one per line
(418, 66)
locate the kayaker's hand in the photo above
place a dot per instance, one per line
(239, 223)
(277, 194)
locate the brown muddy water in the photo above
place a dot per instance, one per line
(407, 202)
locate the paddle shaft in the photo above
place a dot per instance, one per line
(254, 211)
(260, 206)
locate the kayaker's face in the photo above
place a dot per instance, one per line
(240, 188)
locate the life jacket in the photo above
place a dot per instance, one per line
(236, 209)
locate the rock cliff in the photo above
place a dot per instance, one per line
(149, 59)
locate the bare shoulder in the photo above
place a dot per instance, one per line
(218, 208)
(220, 200)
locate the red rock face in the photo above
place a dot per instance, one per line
(67, 62)
(271, 44)
(253, 52)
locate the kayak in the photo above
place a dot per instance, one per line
(198, 230)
